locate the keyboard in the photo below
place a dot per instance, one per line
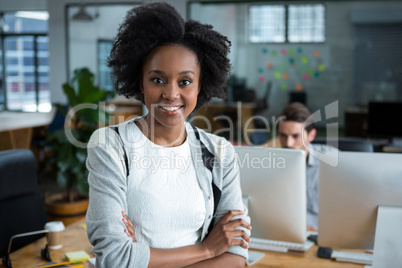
(279, 246)
(354, 257)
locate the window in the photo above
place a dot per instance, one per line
(24, 66)
(267, 24)
(105, 80)
(306, 23)
(287, 23)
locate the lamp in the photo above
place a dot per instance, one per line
(44, 252)
(82, 14)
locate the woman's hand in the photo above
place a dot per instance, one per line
(223, 235)
(129, 226)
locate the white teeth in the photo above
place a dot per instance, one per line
(171, 108)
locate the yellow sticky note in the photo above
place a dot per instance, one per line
(77, 256)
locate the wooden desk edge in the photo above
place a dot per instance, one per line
(29, 256)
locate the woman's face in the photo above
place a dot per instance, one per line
(170, 84)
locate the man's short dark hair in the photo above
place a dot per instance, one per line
(298, 112)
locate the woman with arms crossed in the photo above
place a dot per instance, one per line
(178, 185)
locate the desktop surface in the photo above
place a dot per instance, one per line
(75, 238)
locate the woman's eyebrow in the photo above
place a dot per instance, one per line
(160, 72)
(186, 72)
(155, 71)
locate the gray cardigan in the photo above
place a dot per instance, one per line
(214, 160)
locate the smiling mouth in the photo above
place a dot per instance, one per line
(171, 108)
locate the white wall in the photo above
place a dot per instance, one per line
(223, 19)
(83, 35)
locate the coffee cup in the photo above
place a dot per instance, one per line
(55, 235)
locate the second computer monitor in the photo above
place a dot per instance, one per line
(350, 194)
(274, 181)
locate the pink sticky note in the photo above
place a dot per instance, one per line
(283, 51)
(305, 76)
(261, 78)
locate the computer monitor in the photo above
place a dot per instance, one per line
(384, 120)
(274, 182)
(350, 194)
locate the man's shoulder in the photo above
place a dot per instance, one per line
(323, 148)
(317, 149)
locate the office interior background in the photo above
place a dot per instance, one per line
(346, 51)
(317, 52)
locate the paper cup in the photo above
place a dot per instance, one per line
(55, 235)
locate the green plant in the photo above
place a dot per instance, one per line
(83, 116)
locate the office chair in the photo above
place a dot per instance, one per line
(39, 143)
(21, 206)
(257, 137)
(350, 144)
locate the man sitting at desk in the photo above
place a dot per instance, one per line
(296, 131)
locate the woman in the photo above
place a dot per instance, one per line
(179, 185)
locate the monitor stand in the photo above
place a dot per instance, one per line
(388, 237)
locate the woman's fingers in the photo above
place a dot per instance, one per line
(229, 215)
(226, 233)
(237, 238)
(239, 242)
(242, 234)
(238, 222)
(129, 226)
(128, 221)
(229, 224)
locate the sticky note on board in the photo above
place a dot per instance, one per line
(77, 256)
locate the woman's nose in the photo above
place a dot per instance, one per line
(171, 92)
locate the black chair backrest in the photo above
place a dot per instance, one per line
(350, 144)
(21, 206)
(257, 138)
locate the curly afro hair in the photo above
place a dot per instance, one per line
(156, 24)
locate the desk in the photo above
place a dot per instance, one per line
(75, 238)
(310, 260)
(16, 128)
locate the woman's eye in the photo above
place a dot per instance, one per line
(157, 80)
(186, 82)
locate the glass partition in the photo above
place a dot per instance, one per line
(91, 29)
(345, 51)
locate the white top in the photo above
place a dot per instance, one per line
(109, 184)
(165, 195)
